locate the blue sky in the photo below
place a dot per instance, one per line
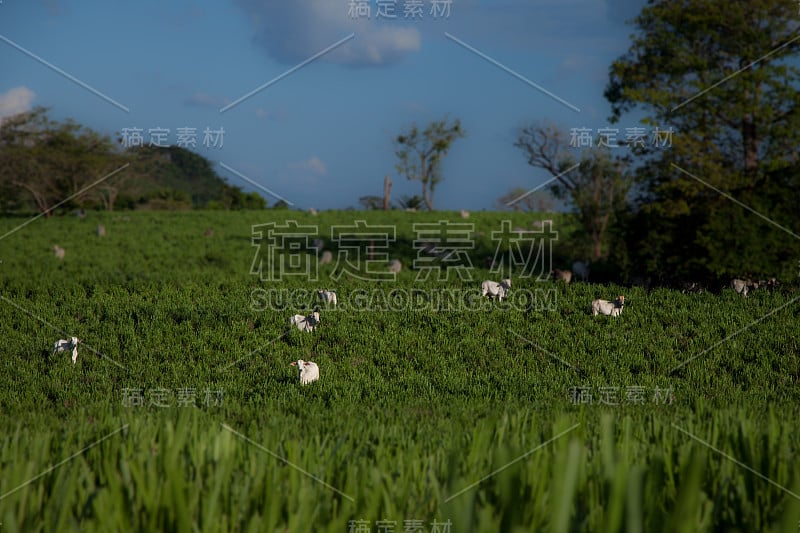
(322, 135)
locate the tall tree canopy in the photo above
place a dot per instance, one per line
(722, 76)
(45, 163)
(52, 161)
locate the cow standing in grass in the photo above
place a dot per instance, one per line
(305, 323)
(562, 275)
(308, 371)
(67, 345)
(328, 297)
(581, 270)
(493, 289)
(742, 286)
(610, 308)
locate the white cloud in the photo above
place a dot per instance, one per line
(16, 100)
(292, 31)
(312, 165)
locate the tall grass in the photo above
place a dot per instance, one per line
(428, 415)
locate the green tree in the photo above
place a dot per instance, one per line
(414, 202)
(596, 184)
(48, 162)
(420, 154)
(155, 168)
(718, 74)
(371, 202)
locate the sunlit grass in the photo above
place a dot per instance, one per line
(430, 415)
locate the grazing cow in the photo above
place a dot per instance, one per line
(770, 284)
(312, 211)
(59, 251)
(326, 258)
(101, 230)
(581, 270)
(67, 345)
(562, 275)
(493, 289)
(307, 370)
(742, 286)
(693, 287)
(329, 297)
(395, 266)
(613, 308)
(305, 323)
(464, 213)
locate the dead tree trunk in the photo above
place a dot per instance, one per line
(387, 190)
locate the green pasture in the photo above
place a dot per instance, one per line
(183, 414)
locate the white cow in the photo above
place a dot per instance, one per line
(59, 251)
(464, 213)
(581, 270)
(395, 266)
(493, 289)
(613, 308)
(326, 258)
(742, 286)
(329, 297)
(305, 323)
(67, 345)
(308, 371)
(562, 275)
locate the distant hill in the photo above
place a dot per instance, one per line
(181, 176)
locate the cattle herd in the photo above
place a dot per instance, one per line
(494, 290)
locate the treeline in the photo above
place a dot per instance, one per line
(47, 165)
(707, 186)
